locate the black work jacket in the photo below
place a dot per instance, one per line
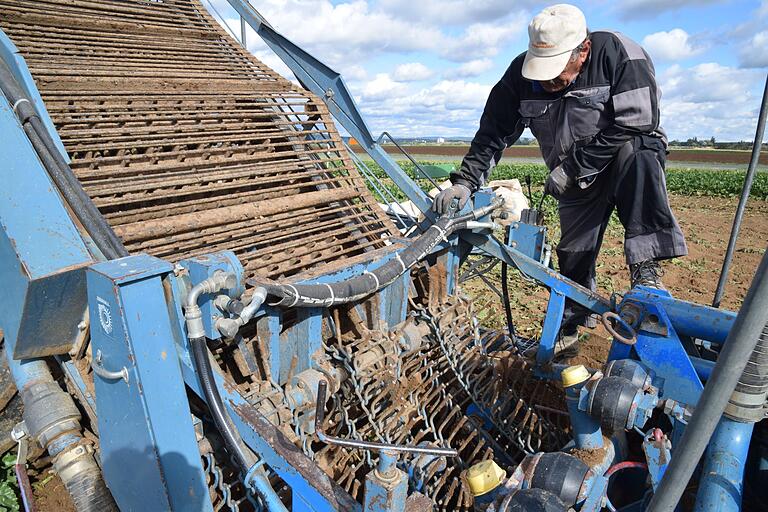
(614, 98)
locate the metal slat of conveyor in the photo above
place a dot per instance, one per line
(186, 143)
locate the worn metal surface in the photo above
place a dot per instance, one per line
(441, 389)
(42, 255)
(140, 420)
(188, 144)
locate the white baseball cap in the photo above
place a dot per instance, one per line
(553, 34)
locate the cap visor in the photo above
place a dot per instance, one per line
(544, 68)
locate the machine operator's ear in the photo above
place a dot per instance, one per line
(586, 47)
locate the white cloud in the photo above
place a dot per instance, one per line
(674, 45)
(454, 12)
(356, 31)
(483, 40)
(633, 9)
(412, 72)
(754, 53)
(708, 100)
(382, 87)
(354, 72)
(448, 108)
(473, 68)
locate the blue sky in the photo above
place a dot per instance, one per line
(425, 67)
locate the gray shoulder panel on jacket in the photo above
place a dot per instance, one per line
(633, 108)
(634, 50)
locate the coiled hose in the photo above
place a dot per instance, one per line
(359, 287)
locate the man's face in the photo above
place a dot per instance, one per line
(571, 71)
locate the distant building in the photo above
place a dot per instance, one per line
(440, 140)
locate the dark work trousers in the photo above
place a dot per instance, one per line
(635, 186)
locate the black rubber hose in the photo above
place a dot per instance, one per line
(90, 493)
(358, 287)
(58, 169)
(84, 209)
(747, 404)
(216, 406)
(505, 297)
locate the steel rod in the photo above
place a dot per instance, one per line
(736, 352)
(748, 180)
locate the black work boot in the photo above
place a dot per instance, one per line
(646, 273)
(567, 344)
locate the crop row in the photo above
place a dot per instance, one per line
(692, 182)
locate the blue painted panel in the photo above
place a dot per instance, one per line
(528, 239)
(299, 343)
(393, 301)
(31, 211)
(42, 255)
(666, 356)
(689, 319)
(144, 423)
(269, 330)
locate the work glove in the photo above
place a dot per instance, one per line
(443, 199)
(558, 182)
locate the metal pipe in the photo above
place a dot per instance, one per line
(703, 367)
(586, 430)
(322, 388)
(722, 478)
(51, 418)
(741, 341)
(748, 179)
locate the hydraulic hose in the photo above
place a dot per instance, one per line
(738, 347)
(53, 420)
(505, 294)
(358, 287)
(58, 169)
(199, 349)
(216, 405)
(747, 404)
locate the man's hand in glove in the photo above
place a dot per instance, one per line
(444, 198)
(558, 182)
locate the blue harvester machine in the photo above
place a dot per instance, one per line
(205, 309)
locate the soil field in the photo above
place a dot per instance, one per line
(706, 223)
(706, 156)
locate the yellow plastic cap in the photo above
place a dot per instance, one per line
(484, 477)
(574, 375)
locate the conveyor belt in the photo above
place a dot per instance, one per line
(186, 143)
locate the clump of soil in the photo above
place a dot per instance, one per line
(49, 493)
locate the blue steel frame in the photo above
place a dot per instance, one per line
(137, 301)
